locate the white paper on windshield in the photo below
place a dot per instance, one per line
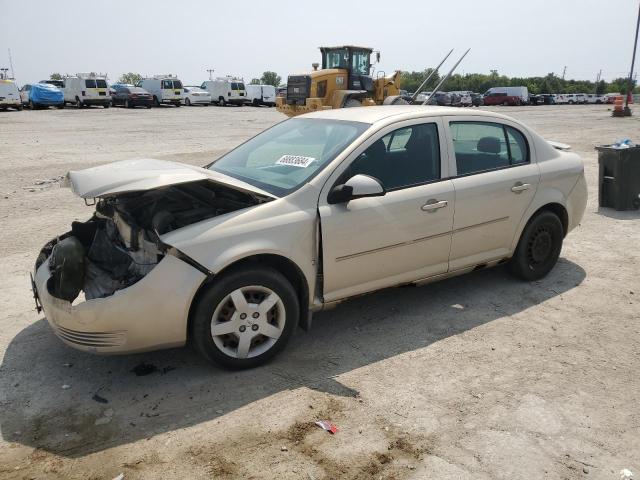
(295, 161)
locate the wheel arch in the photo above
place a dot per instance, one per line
(285, 266)
(555, 207)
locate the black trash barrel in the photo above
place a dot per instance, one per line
(619, 178)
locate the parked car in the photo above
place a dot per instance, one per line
(576, 98)
(226, 90)
(86, 89)
(561, 99)
(595, 98)
(546, 99)
(521, 92)
(261, 95)
(129, 96)
(476, 99)
(282, 91)
(465, 98)
(315, 210)
(164, 89)
(196, 96)
(41, 95)
(9, 95)
(55, 83)
(501, 98)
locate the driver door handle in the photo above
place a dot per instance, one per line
(433, 204)
(520, 187)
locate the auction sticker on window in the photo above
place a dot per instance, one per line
(295, 161)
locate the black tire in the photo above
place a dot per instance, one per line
(539, 247)
(148, 106)
(177, 104)
(78, 103)
(19, 107)
(255, 102)
(221, 102)
(106, 105)
(156, 102)
(60, 107)
(187, 102)
(218, 291)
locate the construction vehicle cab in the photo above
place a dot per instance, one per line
(345, 80)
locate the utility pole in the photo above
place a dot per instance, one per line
(210, 70)
(595, 90)
(11, 64)
(627, 111)
(564, 70)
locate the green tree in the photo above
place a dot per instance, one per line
(55, 76)
(130, 77)
(270, 78)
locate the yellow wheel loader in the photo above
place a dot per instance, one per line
(344, 80)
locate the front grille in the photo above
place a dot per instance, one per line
(298, 88)
(91, 339)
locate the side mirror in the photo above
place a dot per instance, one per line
(378, 57)
(358, 186)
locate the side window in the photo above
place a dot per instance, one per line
(518, 148)
(403, 158)
(483, 146)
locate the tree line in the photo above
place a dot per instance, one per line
(480, 82)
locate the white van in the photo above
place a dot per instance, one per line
(164, 88)
(225, 90)
(261, 95)
(9, 95)
(87, 89)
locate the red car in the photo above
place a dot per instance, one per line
(501, 99)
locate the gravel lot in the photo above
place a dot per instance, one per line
(477, 377)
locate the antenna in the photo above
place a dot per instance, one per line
(11, 64)
(210, 70)
(415, 94)
(444, 79)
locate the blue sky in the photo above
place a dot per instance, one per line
(245, 38)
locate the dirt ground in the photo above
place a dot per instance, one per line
(477, 377)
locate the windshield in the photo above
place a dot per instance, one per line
(360, 63)
(90, 83)
(335, 59)
(283, 158)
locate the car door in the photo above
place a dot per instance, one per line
(495, 180)
(24, 93)
(404, 235)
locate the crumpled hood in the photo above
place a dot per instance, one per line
(143, 174)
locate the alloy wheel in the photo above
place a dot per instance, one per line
(248, 321)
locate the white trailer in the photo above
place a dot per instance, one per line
(261, 95)
(85, 89)
(166, 89)
(225, 90)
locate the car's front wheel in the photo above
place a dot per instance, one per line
(245, 317)
(539, 247)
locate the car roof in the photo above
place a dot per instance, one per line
(397, 113)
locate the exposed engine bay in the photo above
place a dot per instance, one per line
(120, 243)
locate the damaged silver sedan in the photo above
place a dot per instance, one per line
(314, 210)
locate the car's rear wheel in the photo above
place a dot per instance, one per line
(221, 102)
(156, 102)
(245, 317)
(187, 102)
(539, 247)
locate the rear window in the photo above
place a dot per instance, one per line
(101, 83)
(167, 84)
(90, 83)
(177, 84)
(237, 86)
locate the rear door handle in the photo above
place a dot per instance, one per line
(520, 187)
(433, 204)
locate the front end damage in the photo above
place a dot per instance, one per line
(111, 285)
